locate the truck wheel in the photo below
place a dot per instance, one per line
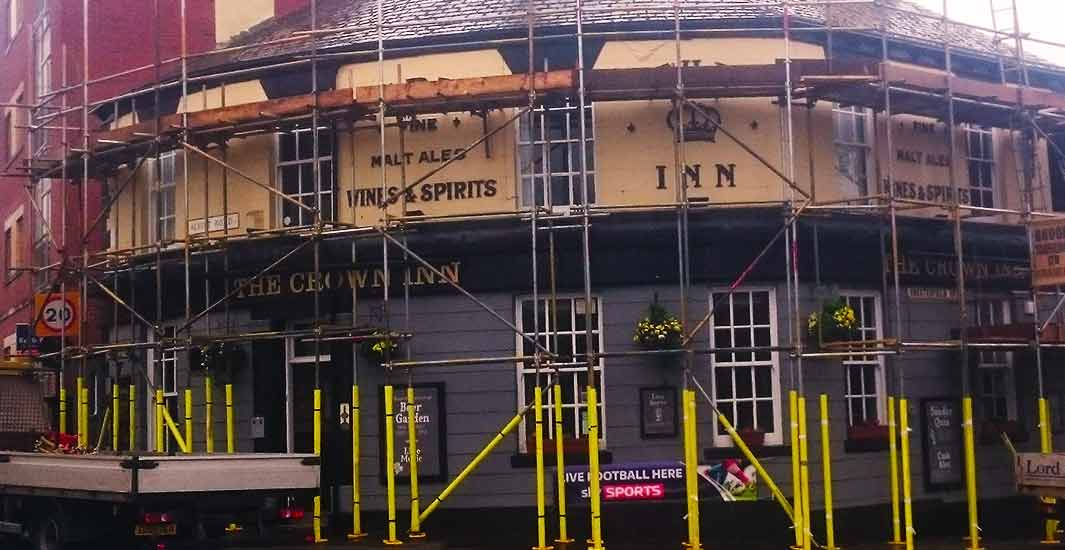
(48, 535)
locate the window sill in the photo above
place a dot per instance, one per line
(868, 445)
(528, 460)
(716, 453)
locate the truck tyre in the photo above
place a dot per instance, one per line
(48, 534)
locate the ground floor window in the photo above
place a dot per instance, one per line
(996, 398)
(864, 374)
(563, 331)
(746, 382)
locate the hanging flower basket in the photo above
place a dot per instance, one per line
(836, 322)
(379, 347)
(218, 356)
(659, 330)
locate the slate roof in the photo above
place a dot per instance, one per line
(449, 20)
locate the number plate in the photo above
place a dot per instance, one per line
(164, 530)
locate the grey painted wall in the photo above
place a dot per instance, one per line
(480, 399)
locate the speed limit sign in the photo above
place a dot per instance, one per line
(57, 313)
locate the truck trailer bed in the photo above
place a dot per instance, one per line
(125, 477)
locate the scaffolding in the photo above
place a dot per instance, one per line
(883, 84)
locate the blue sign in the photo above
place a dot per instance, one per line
(26, 342)
(729, 480)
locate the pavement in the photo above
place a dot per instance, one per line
(376, 544)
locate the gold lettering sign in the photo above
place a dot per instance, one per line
(303, 282)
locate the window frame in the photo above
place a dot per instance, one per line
(771, 438)
(863, 147)
(547, 173)
(859, 359)
(522, 369)
(14, 20)
(42, 67)
(1006, 366)
(280, 164)
(164, 223)
(970, 130)
(12, 117)
(13, 246)
(41, 229)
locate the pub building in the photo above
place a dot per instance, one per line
(467, 217)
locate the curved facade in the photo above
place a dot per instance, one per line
(489, 179)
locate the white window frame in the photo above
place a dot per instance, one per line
(852, 113)
(543, 177)
(875, 332)
(327, 187)
(12, 118)
(14, 19)
(13, 249)
(163, 222)
(293, 360)
(777, 436)
(522, 369)
(42, 58)
(42, 223)
(971, 131)
(995, 361)
(159, 379)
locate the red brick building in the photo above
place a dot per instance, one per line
(41, 60)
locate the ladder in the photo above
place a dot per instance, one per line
(1006, 23)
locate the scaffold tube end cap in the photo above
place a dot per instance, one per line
(356, 536)
(549, 547)
(416, 534)
(563, 541)
(392, 542)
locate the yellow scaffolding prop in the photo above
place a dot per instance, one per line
(893, 456)
(412, 441)
(183, 444)
(970, 471)
(317, 519)
(356, 458)
(62, 410)
(796, 479)
(132, 417)
(390, 473)
(208, 414)
(496, 440)
(188, 420)
(1046, 446)
(691, 472)
(85, 415)
(79, 415)
(826, 465)
(230, 442)
(560, 466)
(115, 425)
(907, 496)
(541, 520)
(593, 469)
(159, 421)
(804, 473)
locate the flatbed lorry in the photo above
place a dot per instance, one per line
(146, 500)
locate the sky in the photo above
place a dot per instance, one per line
(1042, 19)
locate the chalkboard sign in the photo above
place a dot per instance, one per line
(429, 417)
(658, 412)
(944, 463)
